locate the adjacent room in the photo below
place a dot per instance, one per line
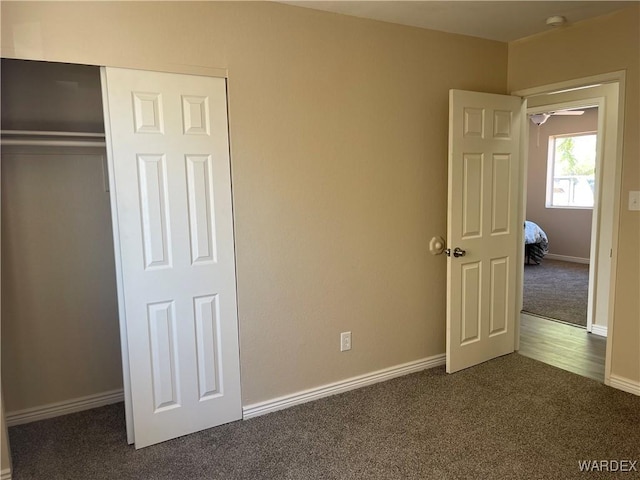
(223, 240)
(561, 196)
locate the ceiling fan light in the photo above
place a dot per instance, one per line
(539, 118)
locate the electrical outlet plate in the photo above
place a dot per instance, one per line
(345, 341)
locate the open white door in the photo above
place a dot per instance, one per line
(169, 156)
(483, 229)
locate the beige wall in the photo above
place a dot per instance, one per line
(569, 230)
(339, 153)
(51, 97)
(601, 45)
(60, 337)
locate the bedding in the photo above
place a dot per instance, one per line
(536, 242)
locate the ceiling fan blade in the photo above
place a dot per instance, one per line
(568, 112)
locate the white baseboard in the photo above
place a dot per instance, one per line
(5, 474)
(74, 405)
(624, 384)
(599, 330)
(566, 258)
(280, 403)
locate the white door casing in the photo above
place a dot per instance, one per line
(169, 153)
(483, 220)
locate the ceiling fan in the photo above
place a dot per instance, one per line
(539, 118)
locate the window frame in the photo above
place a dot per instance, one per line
(551, 157)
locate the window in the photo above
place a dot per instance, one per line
(571, 171)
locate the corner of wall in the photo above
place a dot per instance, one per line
(5, 454)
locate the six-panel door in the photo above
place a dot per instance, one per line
(169, 139)
(484, 169)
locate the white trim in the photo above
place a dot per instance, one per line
(186, 69)
(280, 403)
(599, 330)
(74, 405)
(616, 219)
(124, 345)
(522, 208)
(551, 169)
(624, 384)
(567, 258)
(5, 474)
(571, 85)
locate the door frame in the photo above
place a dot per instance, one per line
(122, 324)
(612, 142)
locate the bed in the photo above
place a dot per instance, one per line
(536, 243)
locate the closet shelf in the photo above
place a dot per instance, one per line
(51, 139)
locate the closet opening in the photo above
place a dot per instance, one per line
(60, 337)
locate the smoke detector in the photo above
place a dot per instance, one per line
(556, 21)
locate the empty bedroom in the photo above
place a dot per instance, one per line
(230, 263)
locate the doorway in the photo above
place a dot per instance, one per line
(558, 230)
(565, 345)
(558, 221)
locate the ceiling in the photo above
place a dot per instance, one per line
(499, 20)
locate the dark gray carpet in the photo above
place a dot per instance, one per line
(558, 290)
(511, 418)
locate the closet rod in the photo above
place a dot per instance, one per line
(54, 143)
(39, 133)
(52, 139)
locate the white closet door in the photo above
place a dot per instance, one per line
(170, 160)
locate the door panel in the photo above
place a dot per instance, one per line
(172, 182)
(484, 166)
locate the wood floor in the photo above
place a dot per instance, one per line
(564, 346)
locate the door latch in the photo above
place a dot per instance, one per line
(457, 252)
